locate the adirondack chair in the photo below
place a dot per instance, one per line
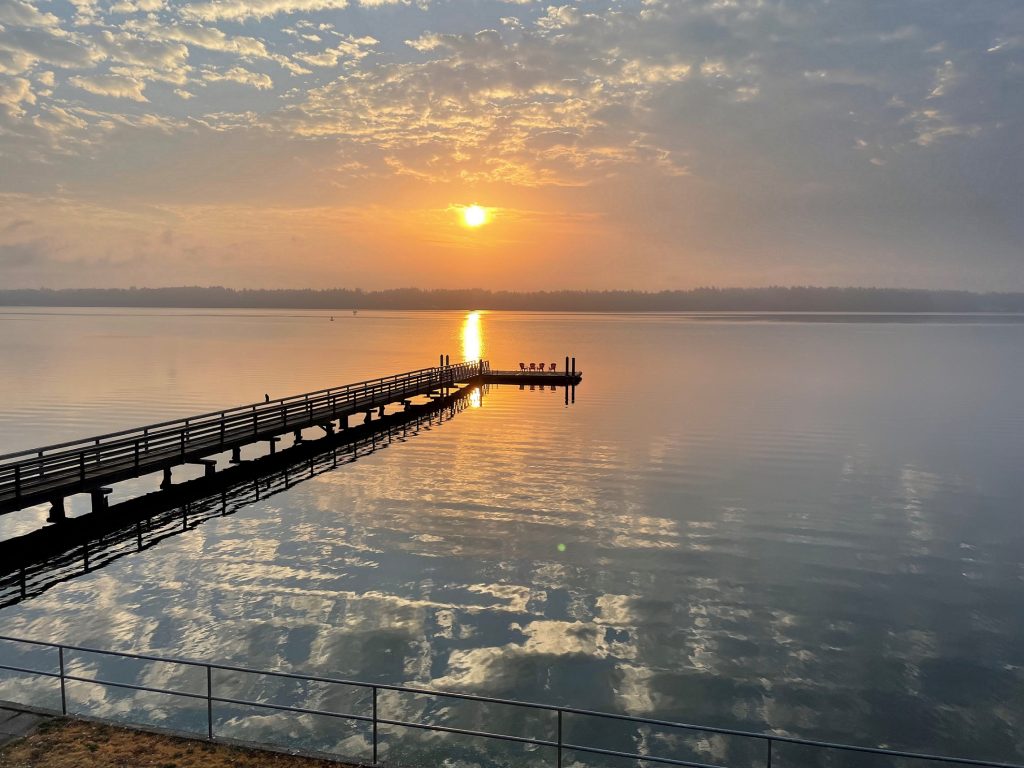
(533, 366)
(522, 366)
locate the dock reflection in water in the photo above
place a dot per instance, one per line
(32, 563)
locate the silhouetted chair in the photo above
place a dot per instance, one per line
(533, 366)
(553, 367)
(522, 366)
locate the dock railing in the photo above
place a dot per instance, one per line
(38, 471)
(372, 718)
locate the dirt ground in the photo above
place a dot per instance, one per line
(62, 743)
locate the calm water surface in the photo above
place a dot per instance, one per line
(811, 527)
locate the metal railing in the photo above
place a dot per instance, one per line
(59, 467)
(374, 719)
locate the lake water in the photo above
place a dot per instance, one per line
(808, 525)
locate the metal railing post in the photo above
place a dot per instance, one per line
(63, 684)
(375, 725)
(768, 761)
(209, 702)
(559, 738)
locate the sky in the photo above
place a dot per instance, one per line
(640, 144)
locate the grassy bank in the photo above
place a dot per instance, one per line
(61, 743)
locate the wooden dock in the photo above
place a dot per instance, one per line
(32, 562)
(53, 472)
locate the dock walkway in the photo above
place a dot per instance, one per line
(51, 473)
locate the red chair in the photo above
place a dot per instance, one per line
(522, 366)
(533, 366)
(553, 367)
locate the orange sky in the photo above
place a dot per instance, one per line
(642, 144)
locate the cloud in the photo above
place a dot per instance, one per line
(25, 254)
(239, 75)
(116, 86)
(350, 48)
(14, 93)
(239, 10)
(15, 225)
(23, 14)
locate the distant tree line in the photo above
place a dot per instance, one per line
(772, 299)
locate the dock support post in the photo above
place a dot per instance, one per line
(380, 412)
(566, 365)
(166, 482)
(99, 499)
(574, 366)
(209, 466)
(298, 436)
(236, 455)
(57, 513)
(369, 417)
(273, 445)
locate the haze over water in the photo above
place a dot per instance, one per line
(810, 527)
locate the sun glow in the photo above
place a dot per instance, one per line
(474, 216)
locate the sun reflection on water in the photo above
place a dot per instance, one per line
(473, 348)
(472, 337)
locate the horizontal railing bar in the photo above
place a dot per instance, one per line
(133, 687)
(633, 755)
(491, 700)
(294, 676)
(29, 671)
(124, 654)
(893, 753)
(286, 708)
(468, 732)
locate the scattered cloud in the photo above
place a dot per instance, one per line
(706, 110)
(117, 86)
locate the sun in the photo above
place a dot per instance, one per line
(474, 216)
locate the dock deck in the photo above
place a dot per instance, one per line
(53, 472)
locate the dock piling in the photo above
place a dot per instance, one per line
(100, 503)
(57, 513)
